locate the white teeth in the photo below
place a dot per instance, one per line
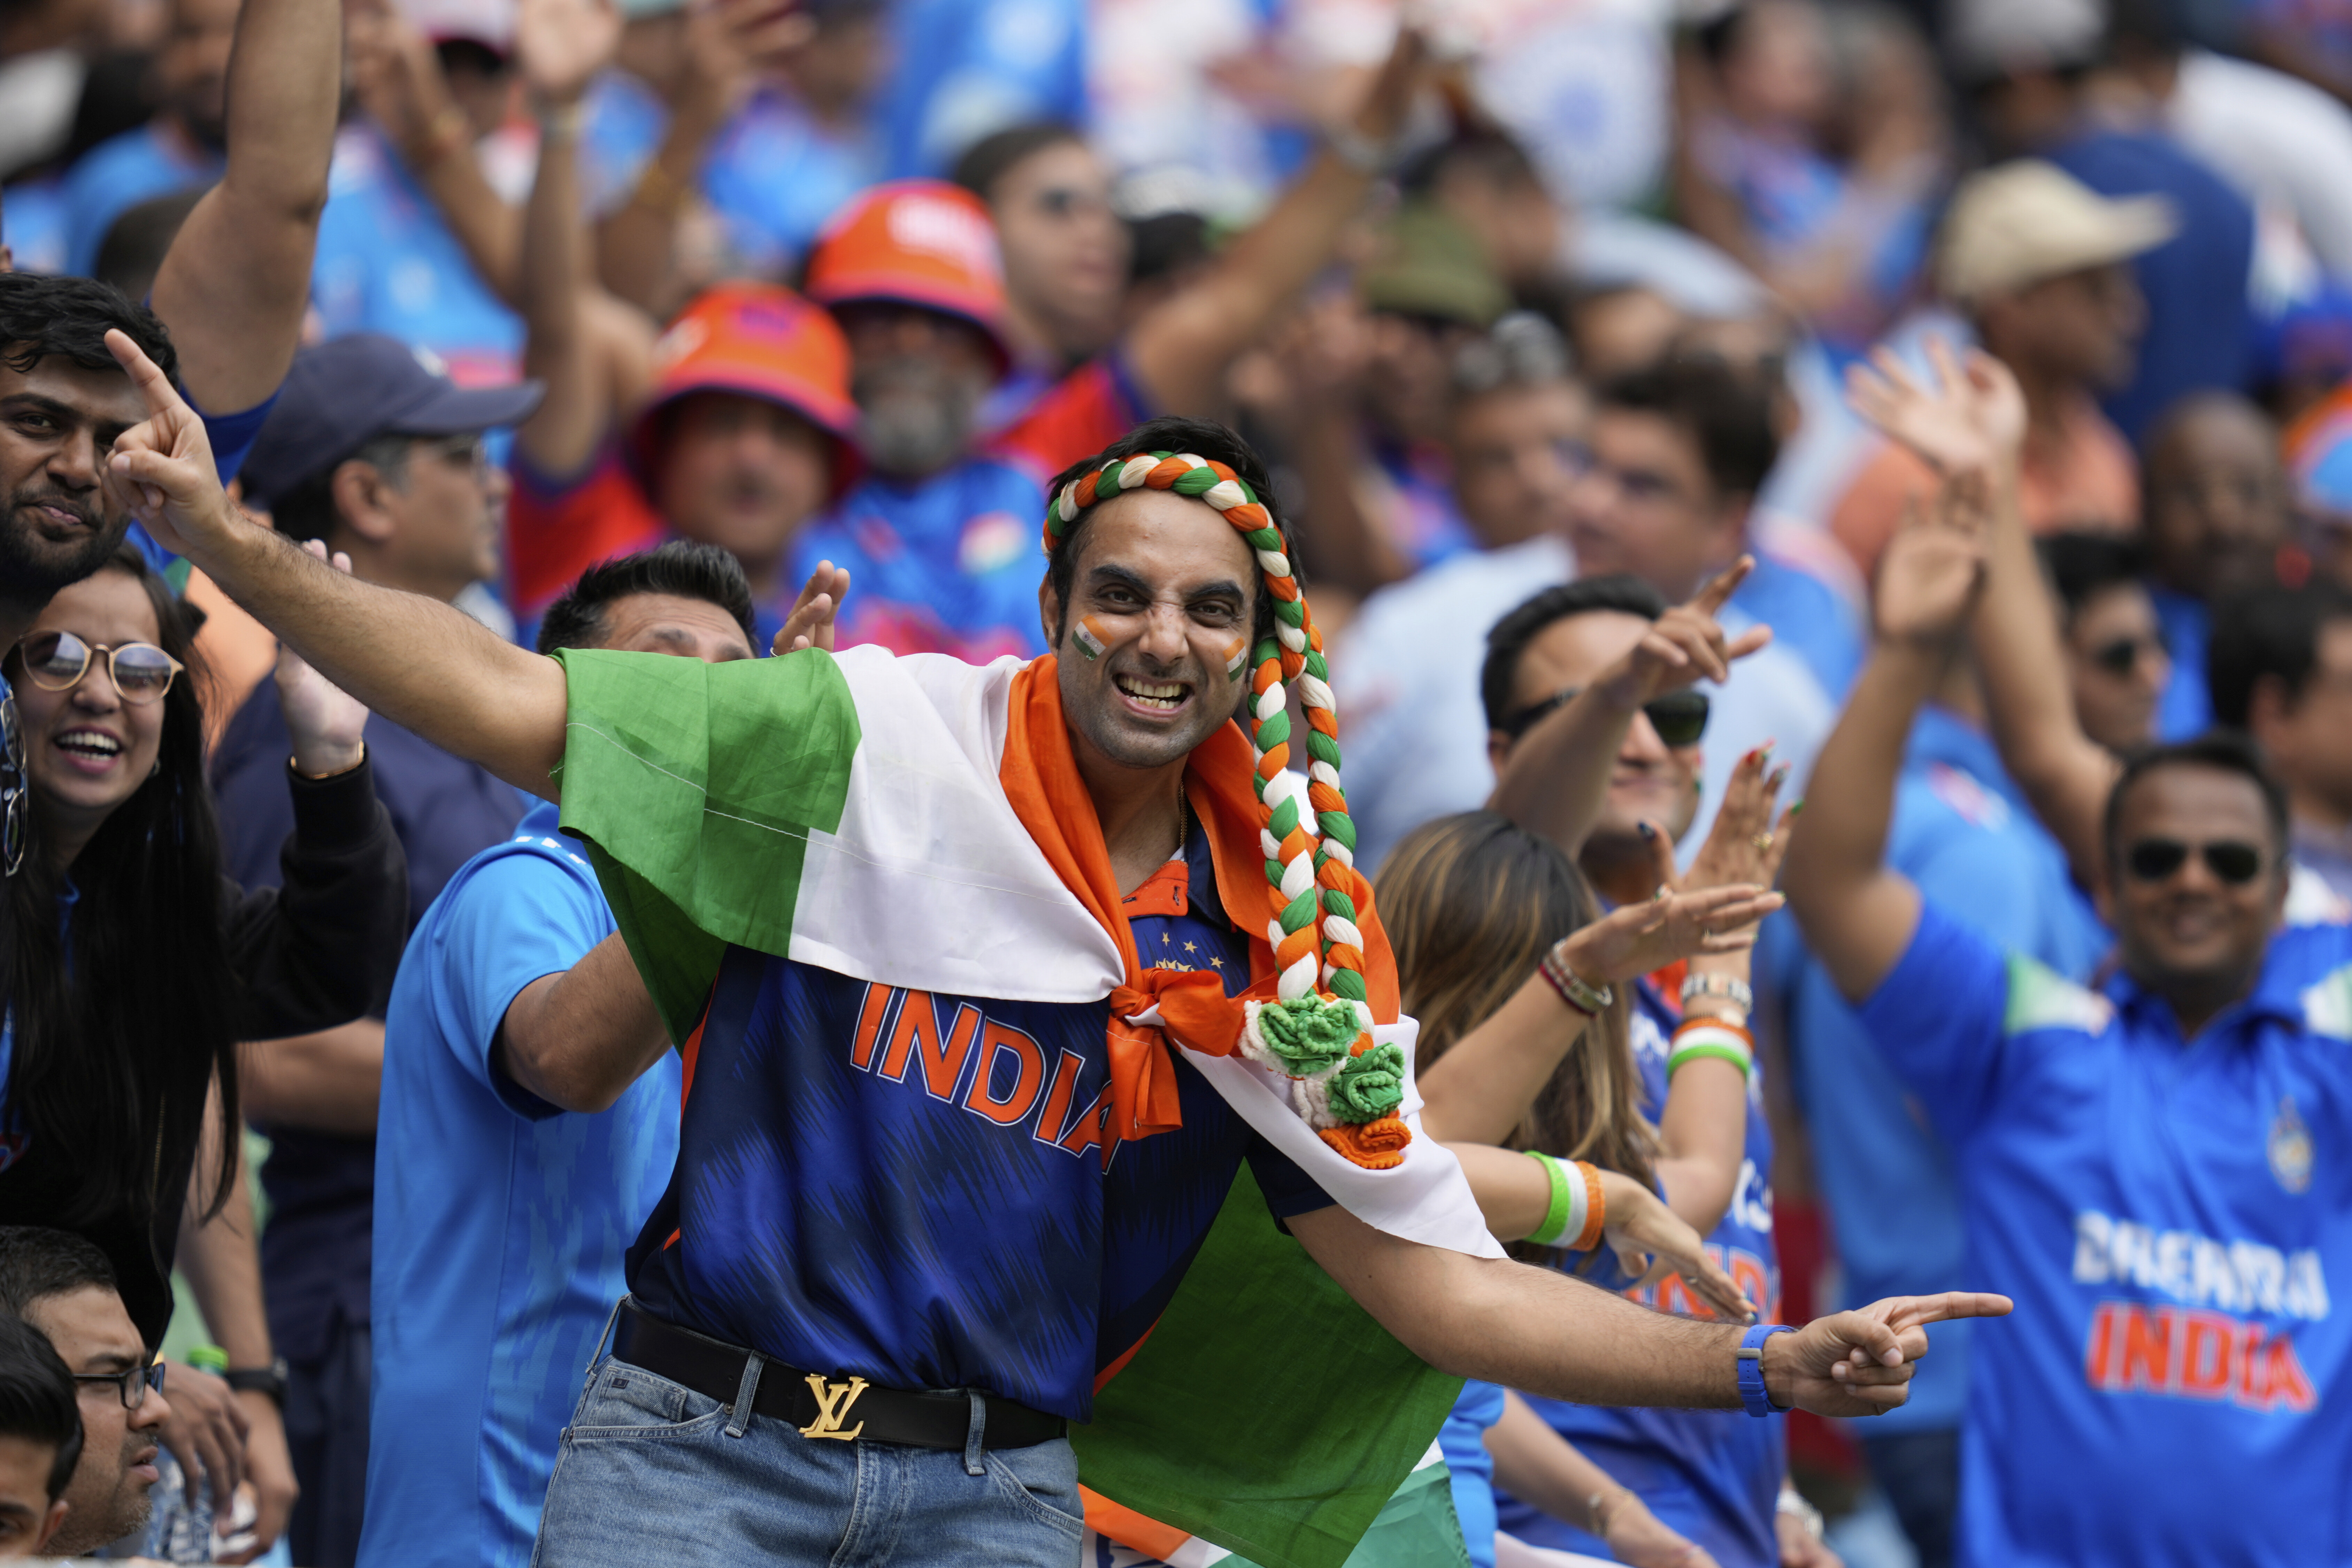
(1153, 693)
(90, 744)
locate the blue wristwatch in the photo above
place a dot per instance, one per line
(1752, 1392)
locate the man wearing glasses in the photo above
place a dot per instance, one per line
(64, 1287)
(376, 452)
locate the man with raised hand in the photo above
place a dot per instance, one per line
(2142, 1161)
(965, 1144)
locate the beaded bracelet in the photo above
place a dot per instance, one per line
(1700, 1037)
(1738, 993)
(1575, 990)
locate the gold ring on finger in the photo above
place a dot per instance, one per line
(1763, 842)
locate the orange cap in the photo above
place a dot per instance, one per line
(914, 242)
(763, 341)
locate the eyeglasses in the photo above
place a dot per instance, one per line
(130, 1384)
(2232, 861)
(16, 800)
(2121, 657)
(1679, 716)
(468, 452)
(55, 661)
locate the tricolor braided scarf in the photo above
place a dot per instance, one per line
(1317, 1034)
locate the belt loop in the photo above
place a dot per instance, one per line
(745, 1392)
(974, 1434)
(597, 1354)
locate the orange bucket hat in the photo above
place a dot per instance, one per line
(761, 341)
(914, 242)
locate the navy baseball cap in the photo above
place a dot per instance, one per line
(344, 393)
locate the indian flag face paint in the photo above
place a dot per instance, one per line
(1236, 656)
(1090, 638)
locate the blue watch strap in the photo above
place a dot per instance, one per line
(1752, 1392)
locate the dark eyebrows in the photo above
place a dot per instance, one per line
(107, 431)
(1109, 575)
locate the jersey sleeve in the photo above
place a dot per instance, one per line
(507, 923)
(1289, 1190)
(1938, 1019)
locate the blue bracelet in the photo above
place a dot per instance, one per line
(1752, 1392)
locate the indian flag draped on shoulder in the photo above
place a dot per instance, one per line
(920, 823)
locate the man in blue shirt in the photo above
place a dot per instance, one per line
(501, 1220)
(381, 457)
(2144, 1165)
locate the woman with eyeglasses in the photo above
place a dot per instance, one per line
(138, 966)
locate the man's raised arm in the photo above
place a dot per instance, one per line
(1858, 916)
(233, 286)
(1537, 1329)
(414, 659)
(1969, 416)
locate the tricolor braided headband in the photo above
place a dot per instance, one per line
(1317, 1034)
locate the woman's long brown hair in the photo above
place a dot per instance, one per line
(1470, 904)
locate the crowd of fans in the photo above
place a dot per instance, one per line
(1936, 412)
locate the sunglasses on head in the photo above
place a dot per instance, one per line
(2123, 656)
(2230, 860)
(1679, 716)
(57, 661)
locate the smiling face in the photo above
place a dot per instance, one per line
(85, 748)
(58, 423)
(108, 1495)
(1161, 591)
(2192, 929)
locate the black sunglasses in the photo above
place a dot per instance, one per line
(2230, 860)
(130, 1384)
(1679, 716)
(2123, 656)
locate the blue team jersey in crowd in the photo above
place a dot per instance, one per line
(916, 1188)
(502, 1223)
(118, 174)
(387, 263)
(1712, 1475)
(1470, 1468)
(2186, 709)
(2171, 1386)
(1966, 837)
(947, 564)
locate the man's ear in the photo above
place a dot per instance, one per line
(1049, 610)
(362, 493)
(1498, 746)
(52, 1524)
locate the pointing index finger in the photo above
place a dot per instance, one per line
(1726, 583)
(152, 384)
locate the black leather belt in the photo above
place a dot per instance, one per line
(845, 1408)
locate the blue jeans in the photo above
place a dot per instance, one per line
(650, 1471)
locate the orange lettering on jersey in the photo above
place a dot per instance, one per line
(2209, 1344)
(1092, 1130)
(870, 1013)
(2181, 1353)
(2148, 1350)
(918, 1035)
(2285, 1384)
(1029, 1079)
(1053, 1122)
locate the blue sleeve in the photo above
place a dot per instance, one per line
(1289, 1190)
(497, 929)
(1938, 1019)
(232, 434)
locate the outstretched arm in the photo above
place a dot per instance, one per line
(417, 662)
(1857, 914)
(1557, 776)
(1538, 1330)
(1969, 417)
(1178, 350)
(233, 286)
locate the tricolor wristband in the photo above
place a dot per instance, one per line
(1709, 1037)
(1565, 1214)
(1753, 1395)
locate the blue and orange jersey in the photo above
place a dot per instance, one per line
(1074, 417)
(556, 529)
(944, 564)
(921, 1189)
(2164, 1211)
(1712, 1475)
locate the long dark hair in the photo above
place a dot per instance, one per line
(118, 1049)
(1471, 903)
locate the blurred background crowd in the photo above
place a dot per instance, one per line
(1548, 291)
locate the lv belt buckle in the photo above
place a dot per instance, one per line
(833, 1404)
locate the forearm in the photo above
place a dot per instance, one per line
(1540, 1467)
(1703, 1135)
(1479, 1090)
(563, 431)
(1851, 799)
(1178, 350)
(326, 1082)
(422, 663)
(233, 285)
(486, 228)
(1526, 1328)
(636, 245)
(223, 1268)
(579, 1040)
(1556, 779)
(1514, 1192)
(2014, 632)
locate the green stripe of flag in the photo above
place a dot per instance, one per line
(1266, 1412)
(696, 787)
